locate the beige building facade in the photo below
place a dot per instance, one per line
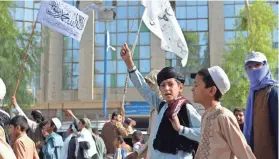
(87, 99)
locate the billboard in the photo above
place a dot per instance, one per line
(137, 108)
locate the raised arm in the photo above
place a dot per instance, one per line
(138, 80)
(122, 108)
(32, 124)
(70, 112)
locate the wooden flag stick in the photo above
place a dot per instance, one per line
(25, 57)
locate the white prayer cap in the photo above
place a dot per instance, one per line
(2, 89)
(56, 122)
(255, 57)
(220, 78)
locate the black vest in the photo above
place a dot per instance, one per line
(168, 139)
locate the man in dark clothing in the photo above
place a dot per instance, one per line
(72, 143)
(72, 148)
(239, 114)
(69, 147)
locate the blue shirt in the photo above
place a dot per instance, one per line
(123, 153)
(52, 149)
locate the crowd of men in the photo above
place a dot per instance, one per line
(176, 129)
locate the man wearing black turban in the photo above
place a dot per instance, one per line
(167, 73)
(178, 127)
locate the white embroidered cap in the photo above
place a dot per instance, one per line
(220, 78)
(57, 123)
(2, 89)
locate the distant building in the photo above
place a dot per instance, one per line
(72, 72)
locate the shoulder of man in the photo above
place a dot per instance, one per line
(29, 140)
(19, 142)
(273, 94)
(57, 140)
(274, 89)
(190, 107)
(73, 138)
(161, 106)
(118, 124)
(224, 113)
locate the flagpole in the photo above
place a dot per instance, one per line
(25, 57)
(105, 72)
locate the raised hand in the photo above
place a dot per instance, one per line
(14, 101)
(125, 52)
(127, 56)
(69, 112)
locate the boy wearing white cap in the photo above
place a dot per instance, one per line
(261, 115)
(221, 137)
(54, 142)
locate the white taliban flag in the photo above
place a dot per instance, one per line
(160, 19)
(63, 18)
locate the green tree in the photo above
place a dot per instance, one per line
(192, 39)
(12, 48)
(195, 61)
(260, 21)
